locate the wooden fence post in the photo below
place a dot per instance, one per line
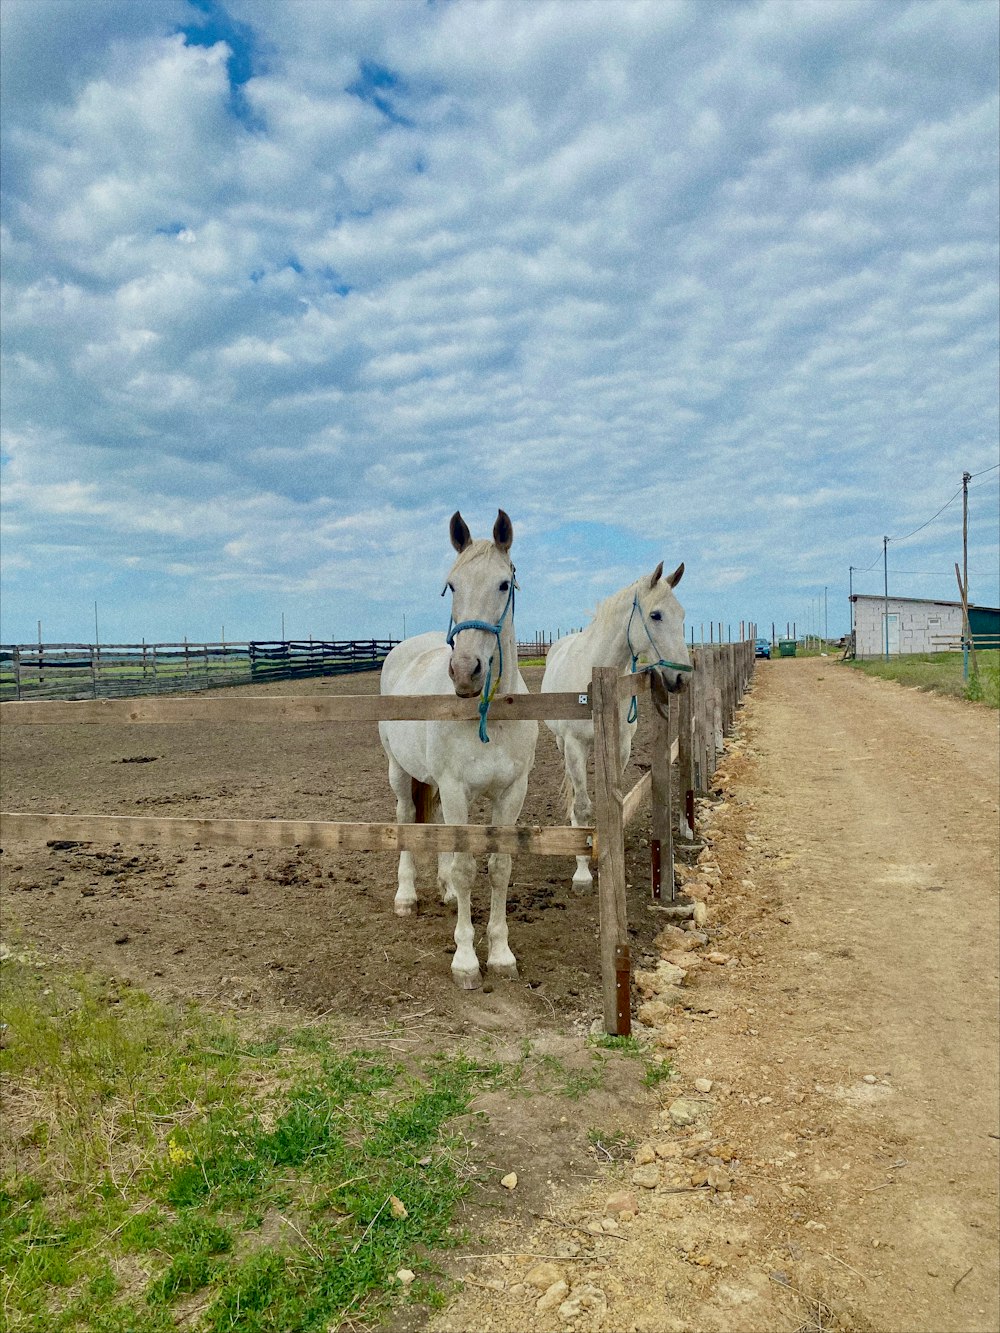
(610, 834)
(685, 757)
(708, 740)
(661, 844)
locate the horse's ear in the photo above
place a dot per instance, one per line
(677, 575)
(656, 575)
(461, 537)
(503, 531)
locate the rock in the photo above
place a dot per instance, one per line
(683, 1111)
(870, 1078)
(646, 1177)
(543, 1276)
(669, 1151)
(585, 1300)
(700, 916)
(553, 1296)
(405, 1276)
(660, 980)
(644, 1154)
(703, 1085)
(509, 1182)
(718, 957)
(656, 1013)
(397, 1207)
(670, 937)
(622, 1202)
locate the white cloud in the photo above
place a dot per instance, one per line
(715, 279)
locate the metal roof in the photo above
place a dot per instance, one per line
(926, 601)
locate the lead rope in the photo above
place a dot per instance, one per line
(489, 689)
(633, 708)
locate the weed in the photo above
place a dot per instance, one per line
(655, 1074)
(623, 1045)
(611, 1147)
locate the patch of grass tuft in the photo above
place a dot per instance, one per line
(277, 1182)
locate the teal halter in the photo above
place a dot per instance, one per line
(486, 697)
(633, 708)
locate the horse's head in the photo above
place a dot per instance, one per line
(662, 617)
(481, 582)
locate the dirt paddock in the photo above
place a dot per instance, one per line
(308, 929)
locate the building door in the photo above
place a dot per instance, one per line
(890, 633)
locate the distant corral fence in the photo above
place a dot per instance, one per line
(121, 670)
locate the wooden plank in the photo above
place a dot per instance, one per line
(633, 802)
(291, 708)
(610, 846)
(661, 827)
(685, 756)
(637, 684)
(476, 838)
(635, 799)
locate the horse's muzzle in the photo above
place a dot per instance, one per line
(466, 672)
(663, 683)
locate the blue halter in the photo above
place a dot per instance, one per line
(633, 708)
(486, 697)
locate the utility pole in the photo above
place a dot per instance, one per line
(966, 478)
(966, 627)
(850, 599)
(885, 575)
(826, 620)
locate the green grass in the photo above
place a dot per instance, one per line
(162, 1167)
(942, 673)
(159, 1167)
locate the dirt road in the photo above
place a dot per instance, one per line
(851, 1041)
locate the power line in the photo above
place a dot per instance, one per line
(940, 573)
(930, 520)
(983, 473)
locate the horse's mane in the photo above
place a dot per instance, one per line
(608, 611)
(474, 551)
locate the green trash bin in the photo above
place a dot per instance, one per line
(786, 647)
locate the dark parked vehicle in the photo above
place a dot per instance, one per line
(762, 648)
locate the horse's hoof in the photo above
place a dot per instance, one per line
(506, 971)
(449, 899)
(467, 980)
(404, 909)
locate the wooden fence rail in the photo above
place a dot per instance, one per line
(690, 731)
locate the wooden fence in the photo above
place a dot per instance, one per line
(117, 671)
(692, 732)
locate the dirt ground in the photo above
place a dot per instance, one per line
(310, 930)
(848, 1022)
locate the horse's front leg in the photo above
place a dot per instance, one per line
(461, 874)
(575, 753)
(505, 810)
(406, 813)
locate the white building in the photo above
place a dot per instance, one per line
(914, 625)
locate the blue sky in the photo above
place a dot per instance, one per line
(285, 284)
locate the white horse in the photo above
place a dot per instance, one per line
(453, 763)
(643, 621)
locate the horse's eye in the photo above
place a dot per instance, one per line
(656, 615)
(505, 586)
